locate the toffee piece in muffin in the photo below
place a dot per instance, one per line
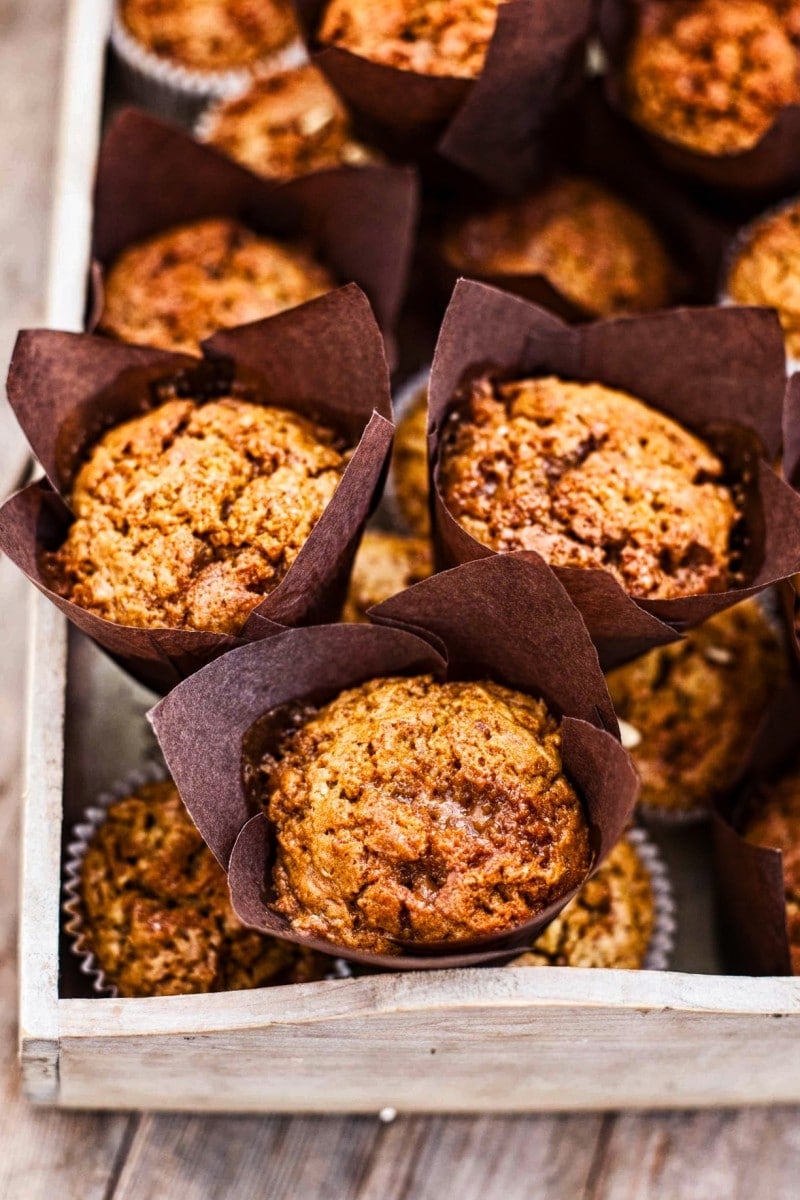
(589, 477)
(157, 914)
(775, 823)
(177, 288)
(386, 563)
(410, 465)
(286, 125)
(695, 705)
(608, 924)
(597, 251)
(407, 810)
(210, 35)
(430, 37)
(711, 75)
(188, 515)
(766, 270)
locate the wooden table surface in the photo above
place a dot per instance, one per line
(56, 1156)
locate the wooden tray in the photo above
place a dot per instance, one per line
(455, 1041)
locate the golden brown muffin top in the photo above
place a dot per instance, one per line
(711, 75)
(188, 515)
(409, 809)
(776, 823)
(696, 705)
(410, 465)
(177, 288)
(286, 125)
(593, 248)
(431, 37)
(386, 563)
(589, 477)
(211, 35)
(766, 271)
(608, 924)
(157, 911)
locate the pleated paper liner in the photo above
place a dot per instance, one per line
(719, 372)
(324, 360)
(502, 619)
(180, 93)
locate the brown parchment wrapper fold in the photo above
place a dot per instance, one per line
(718, 371)
(360, 222)
(749, 878)
(491, 126)
(324, 360)
(790, 589)
(768, 166)
(507, 619)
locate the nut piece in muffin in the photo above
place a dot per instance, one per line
(386, 563)
(410, 465)
(695, 705)
(776, 823)
(156, 910)
(188, 515)
(608, 924)
(766, 270)
(286, 125)
(711, 75)
(601, 255)
(416, 811)
(589, 477)
(430, 37)
(177, 288)
(210, 35)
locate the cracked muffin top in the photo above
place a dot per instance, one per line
(593, 248)
(431, 37)
(589, 477)
(386, 563)
(776, 823)
(177, 288)
(211, 35)
(608, 924)
(157, 913)
(412, 810)
(695, 706)
(766, 271)
(711, 76)
(188, 515)
(410, 465)
(286, 125)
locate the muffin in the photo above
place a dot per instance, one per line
(766, 270)
(608, 924)
(210, 35)
(430, 37)
(407, 810)
(284, 126)
(776, 824)
(177, 288)
(589, 477)
(695, 706)
(188, 515)
(156, 911)
(594, 249)
(712, 76)
(410, 466)
(386, 563)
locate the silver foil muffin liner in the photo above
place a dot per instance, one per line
(72, 908)
(179, 93)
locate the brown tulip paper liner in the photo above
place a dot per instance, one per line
(770, 165)
(491, 126)
(324, 360)
(719, 372)
(749, 877)
(529, 637)
(790, 608)
(361, 221)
